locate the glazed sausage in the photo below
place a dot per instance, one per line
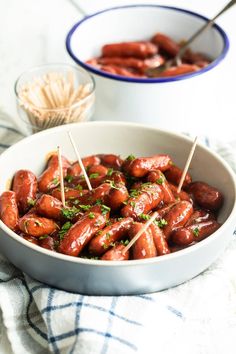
(81, 233)
(177, 217)
(158, 177)
(96, 173)
(70, 193)
(37, 226)
(49, 207)
(109, 235)
(166, 44)
(8, 210)
(129, 49)
(139, 167)
(95, 194)
(174, 174)
(25, 186)
(194, 233)
(144, 247)
(111, 161)
(117, 70)
(206, 196)
(200, 216)
(116, 254)
(159, 240)
(50, 178)
(182, 195)
(145, 199)
(179, 70)
(117, 196)
(195, 57)
(75, 169)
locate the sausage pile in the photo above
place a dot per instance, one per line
(132, 59)
(98, 224)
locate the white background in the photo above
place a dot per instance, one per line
(33, 32)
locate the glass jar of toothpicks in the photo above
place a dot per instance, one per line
(54, 94)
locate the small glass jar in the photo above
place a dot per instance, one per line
(54, 94)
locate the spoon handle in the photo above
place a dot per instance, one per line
(203, 28)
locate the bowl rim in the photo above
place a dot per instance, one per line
(98, 72)
(130, 263)
(54, 65)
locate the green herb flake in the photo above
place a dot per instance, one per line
(160, 180)
(84, 207)
(98, 202)
(31, 202)
(105, 209)
(134, 193)
(130, 158)
(91, 215)
(79, 187)
(55, 181)
(132, 204)
(105, 246)
(110, 171)
(43, 237)
(161, 223)
(196, 232)
(107, 236)
(124, 242)
(69, 178)
(94, 175)
(144, 216)
(65, 227)
(69, 213)
(112, 184)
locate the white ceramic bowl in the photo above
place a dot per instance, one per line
(183, 103)
(107, 277)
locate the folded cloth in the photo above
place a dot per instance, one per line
(197, 317)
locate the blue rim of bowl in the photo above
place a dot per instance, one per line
(149, 80)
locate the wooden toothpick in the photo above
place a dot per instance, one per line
(144, 228)
(187, 165)
(80, 161)
(61, 177)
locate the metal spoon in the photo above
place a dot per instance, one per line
(155, 71)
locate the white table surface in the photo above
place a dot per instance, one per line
(33, 32)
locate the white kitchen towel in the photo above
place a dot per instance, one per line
(197, 317)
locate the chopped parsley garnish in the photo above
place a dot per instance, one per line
(110, 171)
(130, 158)
(105, 246)
(94, 175)
(133, 204)
(108, 235)
(105, 209)
(65, 227)
(31, 202)
(69, 213)
(144, 216)
(98, 202)
(69, 178)
(196, 232)
(84, 207)
(91, 215)
(43, 237)
(55, 181)
(160, 180)
(134, 193)
(79, 187)
(124, 242)
(112, 184)
(161, 223)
